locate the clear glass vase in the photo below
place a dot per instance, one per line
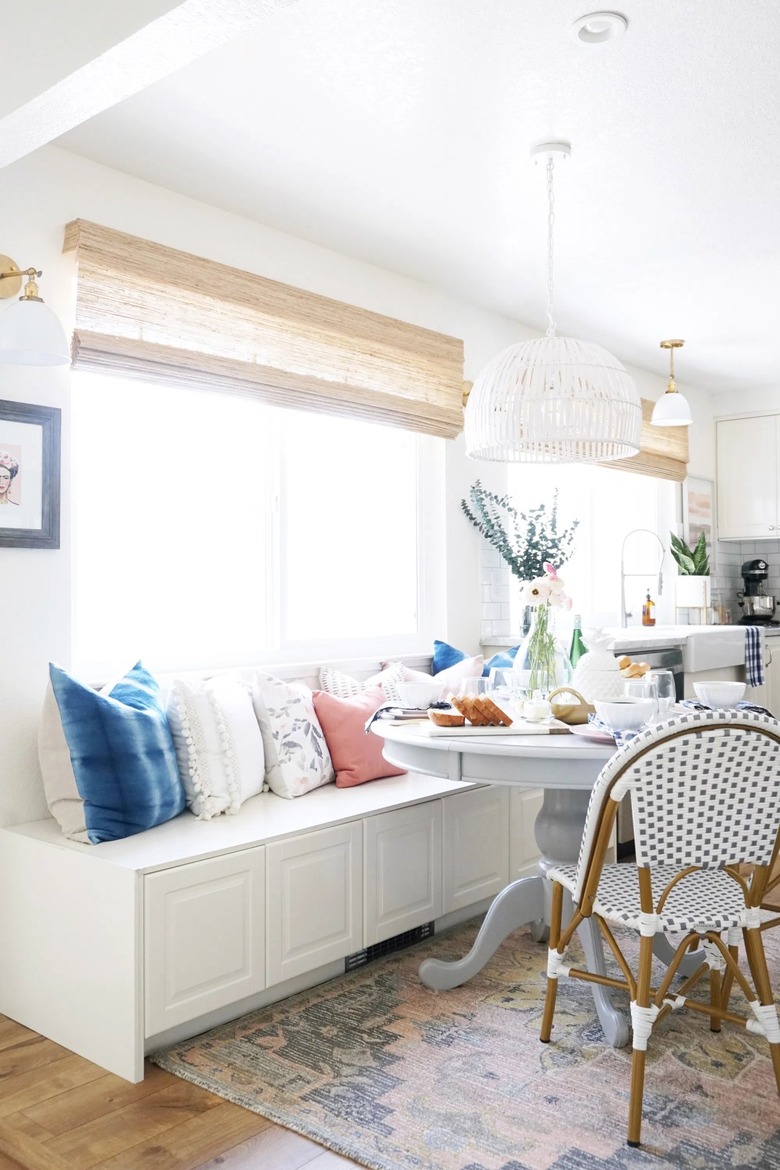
(542, 662)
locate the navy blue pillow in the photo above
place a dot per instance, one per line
(445, 656)
(122, 753)
(505, 658)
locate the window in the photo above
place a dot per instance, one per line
(212, 529)
(609, 504)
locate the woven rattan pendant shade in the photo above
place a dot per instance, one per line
(553, 400)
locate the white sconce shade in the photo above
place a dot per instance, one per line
(31, 335)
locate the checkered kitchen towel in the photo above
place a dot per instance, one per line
(754, 657)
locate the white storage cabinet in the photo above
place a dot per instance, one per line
(117, 949)
(748, 478)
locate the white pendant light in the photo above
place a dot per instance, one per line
(672, 409)
(553, 399)
(30, 333)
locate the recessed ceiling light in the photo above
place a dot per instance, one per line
(598, 27)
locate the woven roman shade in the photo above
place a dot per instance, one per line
(152, 312)
(663, 451)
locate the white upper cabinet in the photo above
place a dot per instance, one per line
(748, 483)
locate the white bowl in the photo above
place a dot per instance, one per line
(719, 694)
(625, 713)
(419, 694)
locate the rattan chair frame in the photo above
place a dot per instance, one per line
(650, 1004)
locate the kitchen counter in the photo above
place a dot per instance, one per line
(703, 647)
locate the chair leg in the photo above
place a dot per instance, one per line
(716, 993)
(640, 1041)
(556, 911)
(754, 950)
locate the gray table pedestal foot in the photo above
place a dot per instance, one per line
(517, 905)
(614, 1023)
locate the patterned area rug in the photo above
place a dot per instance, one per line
(398, 1077)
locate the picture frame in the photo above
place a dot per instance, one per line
(699, 514)
(30, 446)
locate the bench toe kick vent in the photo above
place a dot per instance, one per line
(398, 943)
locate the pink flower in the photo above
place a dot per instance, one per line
(550, 570)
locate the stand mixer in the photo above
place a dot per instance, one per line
(759, 606)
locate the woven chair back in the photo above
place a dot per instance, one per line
(704, 788)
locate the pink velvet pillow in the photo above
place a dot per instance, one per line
(357, 757)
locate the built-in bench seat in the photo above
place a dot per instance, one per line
(113, 950)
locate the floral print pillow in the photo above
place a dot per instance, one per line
(296, 754)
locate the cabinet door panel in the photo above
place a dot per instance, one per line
(205, 937)
(476, 846)
(747, 478)
(313, 900)
(403, 886)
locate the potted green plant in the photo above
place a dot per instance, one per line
(693, 569)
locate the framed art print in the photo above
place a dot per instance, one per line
(29, 475)
(699, 513)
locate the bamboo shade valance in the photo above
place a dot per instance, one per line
(163, 315)
(663, 451)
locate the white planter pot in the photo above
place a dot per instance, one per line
(692, 593)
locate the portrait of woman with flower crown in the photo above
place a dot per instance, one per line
(9, 470)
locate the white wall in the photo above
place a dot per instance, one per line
(38, 196)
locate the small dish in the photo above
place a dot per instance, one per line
(716, 693)
(626, 713)
(588, 731)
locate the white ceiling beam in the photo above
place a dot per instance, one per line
(107, 52)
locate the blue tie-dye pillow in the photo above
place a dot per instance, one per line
(445, 656)
(123, 769)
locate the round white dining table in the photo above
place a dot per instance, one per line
(565, 766)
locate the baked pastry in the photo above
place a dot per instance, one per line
(481, 711)
(446, 718)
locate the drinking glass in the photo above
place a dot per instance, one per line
(666, 695)
(499, 682)
(643, 688)
(508, 688)
(473, 686)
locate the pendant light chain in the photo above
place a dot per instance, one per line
(550, 223)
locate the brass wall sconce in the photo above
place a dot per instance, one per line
(30, 333)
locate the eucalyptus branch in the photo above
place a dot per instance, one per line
(525, 540)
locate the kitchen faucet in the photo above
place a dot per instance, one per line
(655, 571)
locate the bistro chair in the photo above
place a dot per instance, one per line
(705, 797)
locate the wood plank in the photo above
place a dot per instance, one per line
(39, 1084)
(94, 1099)
(98, 1140)
(187, 1146)
(30, 1051)
(273, 1149)
(330, 1161)
(26, 1152)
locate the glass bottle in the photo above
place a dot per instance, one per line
(648, 615)
(577, 648)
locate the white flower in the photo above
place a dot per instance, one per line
(536, 592)
(560, 599)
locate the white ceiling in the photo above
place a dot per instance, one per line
(399, 131)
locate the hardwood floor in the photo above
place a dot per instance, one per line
(59, 1112)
